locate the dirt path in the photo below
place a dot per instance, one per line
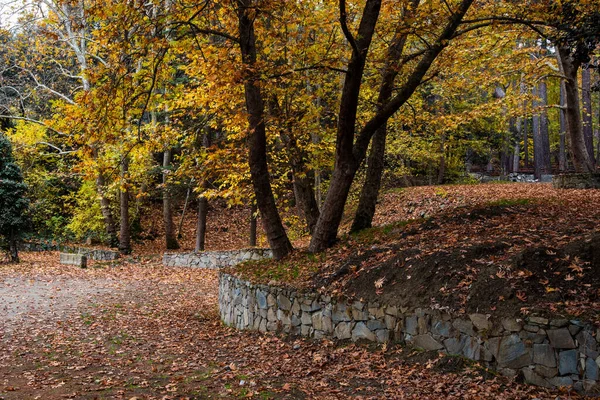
(140, 331)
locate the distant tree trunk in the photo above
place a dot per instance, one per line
(569, 68)
(202, 202)
(109, 221)
(201, 225)
(170, 238)
(13, 248)
(185, 206)
(537, 139)
(442, 171)
(546, 166)
(515, 130)
(526, 142)
(562, 152)
(253, 210)
(586, 101)
(257, 141)
(125, 232)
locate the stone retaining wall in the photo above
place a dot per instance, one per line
(93, 254)
(214, 259)
(577, 181)
(547, 352)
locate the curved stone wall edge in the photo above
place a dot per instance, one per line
(547, 352)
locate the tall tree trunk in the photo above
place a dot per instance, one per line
(514, 127)
(562, 148)
(526, 142)
(125, 232)
(586, 102)
(569, 68)
(252, 237)
(546, 165)
(109, 221)
(201, 225)
(202, 202)
(369, 193)
(537, 138)
(375, 164)
(170, 238)
(257, 142)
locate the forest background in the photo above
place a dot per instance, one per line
(290, 109)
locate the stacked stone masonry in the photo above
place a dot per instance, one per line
(214, 259)
(93, 254)
(547, 352)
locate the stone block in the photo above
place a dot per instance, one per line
(343, 330)
(340, 313)
(471, 348)
(442, 328)
(427, 342)
(561, 338)
(261, 299)
(79, 260)
(546, 372)
(383, 335)
(375, 324)
(534, 379)
(480, 321)
(561, 381)
(327, 324)
(509, 351)
(559, 323)
(543, 354)
(464, 326)
(317, 321)
(567, 362)
(453, 345)
(591, 369)
(423, 324)
(361, 331)
(390, 322)
(538, 321)
(284, 303)
(512, 325)
(411, 325)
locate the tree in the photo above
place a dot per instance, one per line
(352, 143)
(14, 204)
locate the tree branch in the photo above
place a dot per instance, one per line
(344, 24)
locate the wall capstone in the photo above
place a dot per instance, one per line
(546, 352)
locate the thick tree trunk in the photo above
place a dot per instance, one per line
(109, 221)
(257, 142)
(201, 224)
(562, 151)
(125, 232)
(586, 102)
(569, 68)
(170, 238)
(375, 164)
